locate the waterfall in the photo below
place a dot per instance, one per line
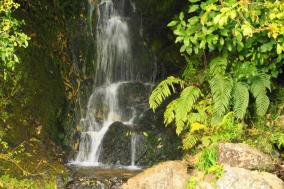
(116, 66)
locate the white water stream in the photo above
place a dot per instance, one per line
(115, 66)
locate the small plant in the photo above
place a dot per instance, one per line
(278, 140)
(208, 159)
(191, 183)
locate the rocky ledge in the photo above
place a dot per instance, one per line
(244, 168)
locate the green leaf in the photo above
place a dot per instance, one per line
(181, 16)
(260, 85)
(193, 8)
(172, 23)
(164, 90)
(241, 99)
(193, 1)
(267, 46)
(279, 49)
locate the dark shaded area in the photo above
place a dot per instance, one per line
(155, 15)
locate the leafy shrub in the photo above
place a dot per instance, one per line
(233, 50)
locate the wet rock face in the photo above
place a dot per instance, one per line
(244, 156)
(133, 98)
(116, 145)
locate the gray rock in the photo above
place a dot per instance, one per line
(239, 178)
(244, 156)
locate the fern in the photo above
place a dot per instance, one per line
(185, 103)
(164, 90)
(218, 66)
(259, 86)
(199, 117)
(180, 108)
(169, 114)
(221, 88)
(190, 141)
(240, 99)
(220, 85)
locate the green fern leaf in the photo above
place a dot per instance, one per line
(218, 66)
(190, 141)
(199, 117)
(241, 99)
(221, 88)
(169, 114)
(259, 86)
(185, 103)
(164, 90)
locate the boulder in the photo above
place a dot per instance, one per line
(116, 145)
(239, 178)
(244, 156)
(166, 175)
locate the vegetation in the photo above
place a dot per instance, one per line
(16, 148)
(11, 38)
(233, 52)
(229, 88)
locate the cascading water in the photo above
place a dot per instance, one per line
(116, 66)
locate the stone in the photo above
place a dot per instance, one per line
(116, 145)
(244, 156)
(166, 175)
(240, 178)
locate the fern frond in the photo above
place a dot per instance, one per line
(240, 99)
(200, 117)
(220, 85)
(221, 88)
(218, 66)
(259, 86)
(169, 114)
(185, 103)
(164, 90)
(190, 141)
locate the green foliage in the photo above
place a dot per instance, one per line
(11, 36)
(221, 86)
(233, 50)
(6, 181)
(208, 162)
(191, 183)
(208, 159)
(12, 183)
(248, 41)
(278, 139)
(241, 99)
(164, 90)
(179, 109)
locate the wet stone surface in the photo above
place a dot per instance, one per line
(99, 177)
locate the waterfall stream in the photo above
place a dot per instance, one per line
(116, 67)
